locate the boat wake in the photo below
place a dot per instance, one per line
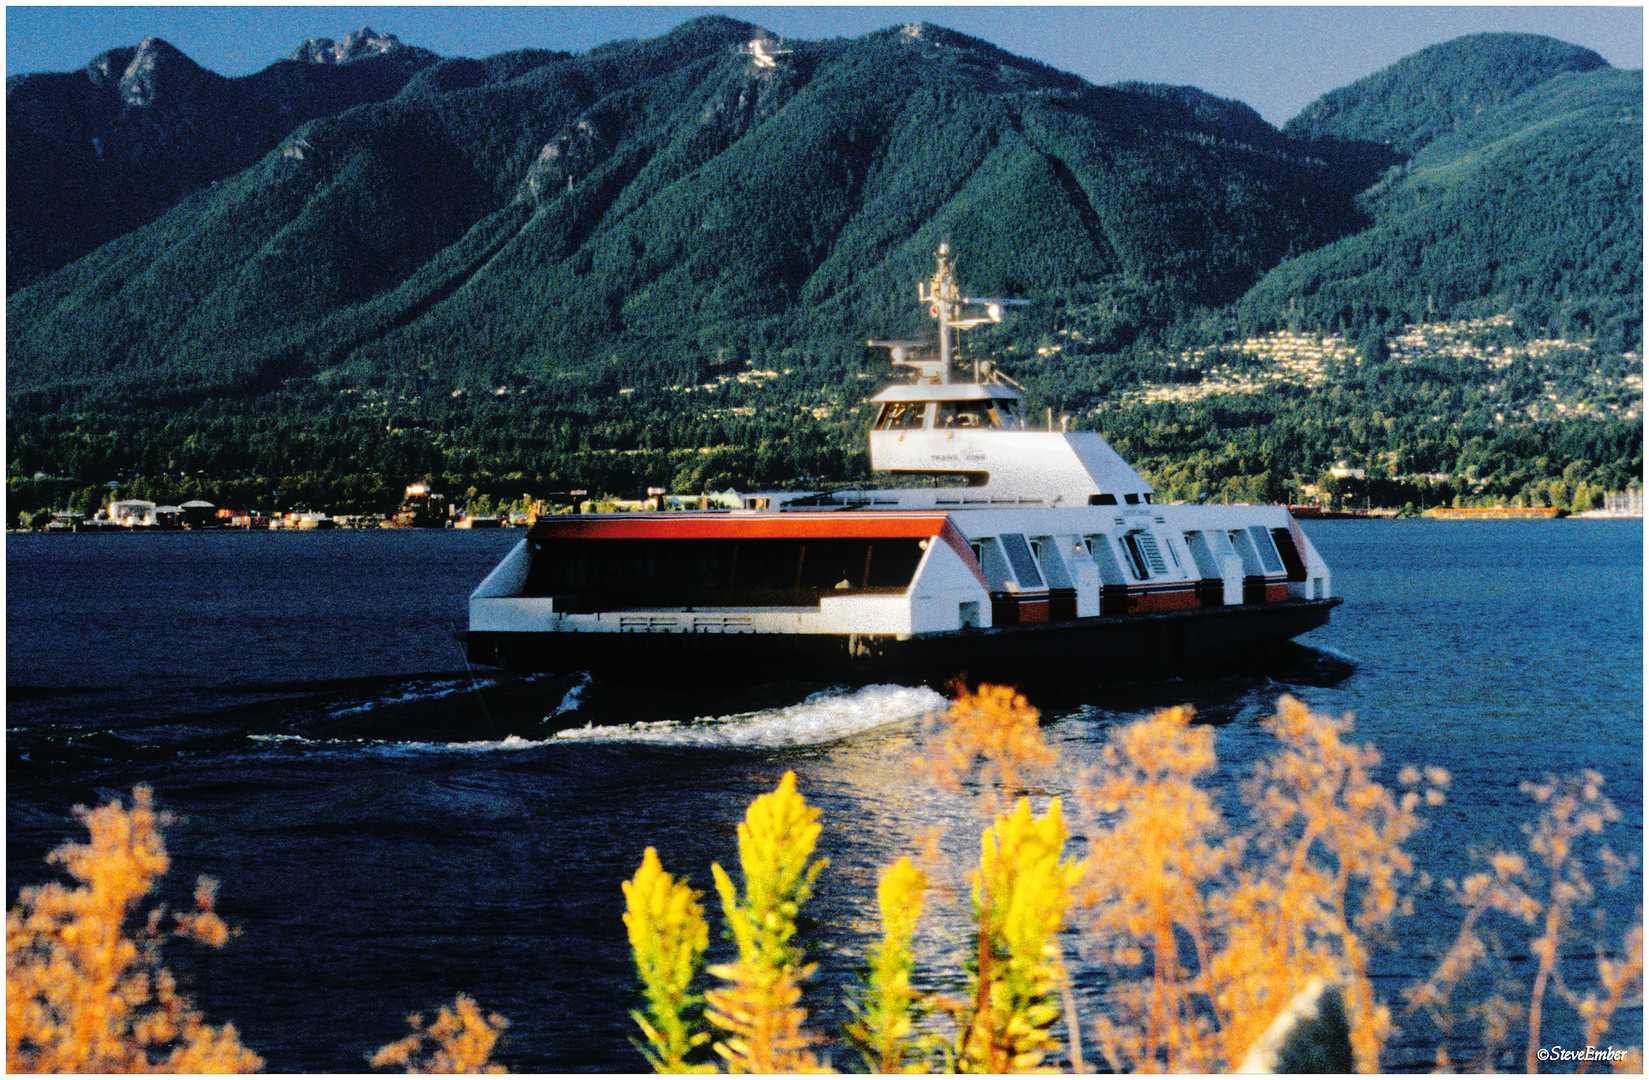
(823, 717)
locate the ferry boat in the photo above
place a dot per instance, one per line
(1050, 558)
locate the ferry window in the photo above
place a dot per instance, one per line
(1135, 557)
(1244, 547)
(767, 564)
(897, 414)
(964, 414)
(1140, 548)
(1266, 549)
(747, 571)
(1004, 414)
(893, 563)
(991, 562)
(1046, 552)
(1132, 499)
(902, 415)
(1020, 558)
(1099, 548)
(1102, 500)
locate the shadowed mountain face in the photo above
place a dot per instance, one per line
(96, 153)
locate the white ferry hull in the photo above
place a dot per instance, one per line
(1124, 648)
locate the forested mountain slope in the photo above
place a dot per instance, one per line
(657, 262)
(1439, 90)
(1532, 205)
(673, 204)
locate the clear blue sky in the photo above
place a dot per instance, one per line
(1276, 59)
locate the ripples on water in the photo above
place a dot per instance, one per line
(391, 829)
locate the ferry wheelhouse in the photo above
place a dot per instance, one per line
(1048, 559)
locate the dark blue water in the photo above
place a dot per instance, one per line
(391, 829)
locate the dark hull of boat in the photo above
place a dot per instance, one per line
(1127, 648)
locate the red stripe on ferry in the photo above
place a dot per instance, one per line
(679, 526)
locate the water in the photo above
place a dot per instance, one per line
(391, 829)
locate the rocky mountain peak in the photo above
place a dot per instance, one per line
(157, 71)
(362, 43)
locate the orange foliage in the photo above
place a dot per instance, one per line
(1548, 891)
(459, 1041)
(992, 735)
(1222, 928)
(759, 1009)
(85, 989)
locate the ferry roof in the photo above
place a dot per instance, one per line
(947, 392)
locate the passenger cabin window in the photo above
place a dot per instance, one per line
(1266, 549)
(1023, 562)
(1099, 549)
(1140, 549)
(614, 574)
(1046, 553)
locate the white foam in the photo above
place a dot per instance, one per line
(821, 718)
(433, 692)
(510, 742)
(572, 699)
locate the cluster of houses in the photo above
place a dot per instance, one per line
(134, 514)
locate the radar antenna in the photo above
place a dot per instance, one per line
(947, 306)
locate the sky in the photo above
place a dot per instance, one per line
(1275, 59)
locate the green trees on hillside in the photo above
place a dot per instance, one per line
(551, 271)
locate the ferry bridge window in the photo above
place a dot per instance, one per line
(897, 415)
(963, 414)
(902, 416)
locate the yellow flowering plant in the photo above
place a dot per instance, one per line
(1021, 892)
(668, 936)
(887, 1009)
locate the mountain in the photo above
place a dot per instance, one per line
(672, 205)
(96, 153)
(657, 262)
(1440, 89)
(1520, 190)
